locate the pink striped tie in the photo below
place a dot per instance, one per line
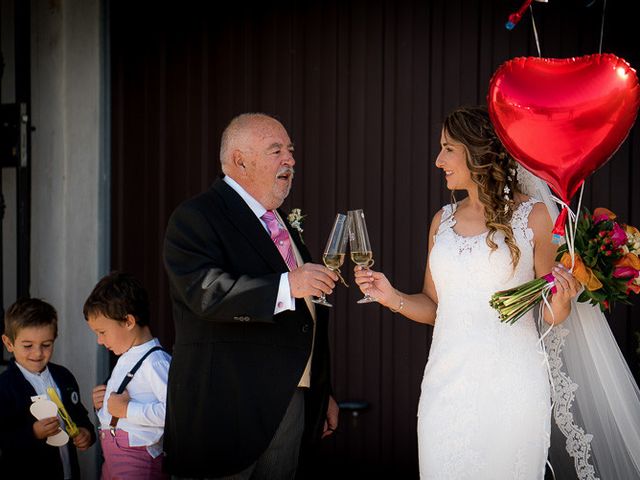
(280, 237)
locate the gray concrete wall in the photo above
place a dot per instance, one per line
(69, 241)
(8, 174)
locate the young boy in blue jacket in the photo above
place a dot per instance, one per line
(31, 327)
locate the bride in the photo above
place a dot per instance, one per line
(485, 406)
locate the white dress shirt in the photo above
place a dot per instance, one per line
(40, 382)
(148, 391)
(284, 300)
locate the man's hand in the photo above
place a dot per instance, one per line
(117, 404)
(331, 423)
(46, 427)
(311, 279)
(98, 396)
(82, 441)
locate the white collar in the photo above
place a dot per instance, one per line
(42, 376)
(142, 347)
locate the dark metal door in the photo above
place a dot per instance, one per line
(362, 87)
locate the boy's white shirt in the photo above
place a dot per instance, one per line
(40, 382)
(148, 391)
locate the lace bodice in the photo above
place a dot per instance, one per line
(466, 272)
(472, 255)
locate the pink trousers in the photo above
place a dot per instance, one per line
(122, 462)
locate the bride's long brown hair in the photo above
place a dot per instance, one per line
(492, 169)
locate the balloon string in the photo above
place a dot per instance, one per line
(535, 31)
(542, 350)
(574, 226)
(572, 221)
(604, 6)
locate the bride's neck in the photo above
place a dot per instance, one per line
(473, 200)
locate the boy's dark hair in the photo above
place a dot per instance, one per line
(29, 312)
(116, 296)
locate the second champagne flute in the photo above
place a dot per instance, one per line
(361, 253)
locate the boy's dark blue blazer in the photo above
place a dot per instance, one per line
(22, 455)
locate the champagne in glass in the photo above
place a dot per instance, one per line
(362, 258)
(361, 253)
(334, 252)
(333, 261)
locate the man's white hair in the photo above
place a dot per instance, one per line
(233, 135)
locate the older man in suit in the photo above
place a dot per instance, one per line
(250, 369)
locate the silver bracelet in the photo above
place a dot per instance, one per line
(400, 307)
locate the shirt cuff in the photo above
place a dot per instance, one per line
(284, 301)
(134, 410)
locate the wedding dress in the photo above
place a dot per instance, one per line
(485, 408)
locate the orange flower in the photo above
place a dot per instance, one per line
(629, 260)
(631, 229)
(598, 212)
(582, 273)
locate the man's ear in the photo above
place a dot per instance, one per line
(7, 343)
(238, 160)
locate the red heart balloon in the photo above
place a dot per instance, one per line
(562, 119)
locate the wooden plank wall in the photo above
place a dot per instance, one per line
(362, 87)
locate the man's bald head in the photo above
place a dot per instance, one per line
(240, 133)
(257, 153)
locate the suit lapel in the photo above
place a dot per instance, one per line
(304, 256)
(249, 226)
(297, 239)
(66, 391)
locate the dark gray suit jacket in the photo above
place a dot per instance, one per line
(235, 364)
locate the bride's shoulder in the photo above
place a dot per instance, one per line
(437, 219)
(443, 214)
(530, 206)
(539, 218)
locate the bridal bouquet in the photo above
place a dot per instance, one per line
(606, 263)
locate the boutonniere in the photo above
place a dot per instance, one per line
(295, 218)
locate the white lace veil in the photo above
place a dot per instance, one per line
(596, 433)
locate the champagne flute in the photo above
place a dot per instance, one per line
(361, 253)
(334, 252)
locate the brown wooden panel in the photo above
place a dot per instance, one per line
(362, 87)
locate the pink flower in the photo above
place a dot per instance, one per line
(618, 236)
(625, 272)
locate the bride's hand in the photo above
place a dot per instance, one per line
(376, 285)
(567, 287)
